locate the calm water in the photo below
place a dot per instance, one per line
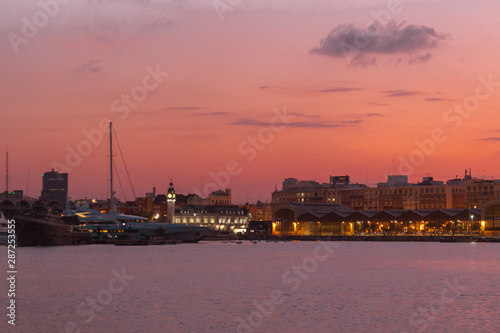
(264, 287)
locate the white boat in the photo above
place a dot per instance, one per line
(4, 229)
(120, 228)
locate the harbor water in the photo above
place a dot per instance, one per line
(263, 287)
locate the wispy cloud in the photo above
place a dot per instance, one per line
(304, 115)
(181, 108)
(272, 87)
(378, 104)
(296, 124)
(401, 93)
(490, 139)
(357, 121)
(420, 59)
(337, 90)
(434, 99)
(92, 67)
(195, 137)
(217, 113)
(314, 124)
(365, 115)
(391, 39)
(168, 109)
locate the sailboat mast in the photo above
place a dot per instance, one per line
(112, 207)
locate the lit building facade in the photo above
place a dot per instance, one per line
(396, 193)
(323, 219)
(260, 211)
(220, 218)
(490, 218)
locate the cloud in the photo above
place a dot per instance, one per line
(169, 109)
(420, 59)
(366, 115)
(218, 113)
(378, 104)
(490, 139)
(433, 99)
(303, 115)
(362, 47)
(400, 93)
(195, 137)
(335, 90)
(181, 108)
(314, 124)
(296, 124)
(357, 121)
(272, 87)
(92, 67)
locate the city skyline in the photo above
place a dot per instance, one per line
(249, 93)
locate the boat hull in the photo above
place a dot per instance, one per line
(39, 232)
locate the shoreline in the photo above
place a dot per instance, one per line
(380, 238)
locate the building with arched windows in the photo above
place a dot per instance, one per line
(490, 216)
(323, 219)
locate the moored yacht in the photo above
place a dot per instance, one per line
(116, 228)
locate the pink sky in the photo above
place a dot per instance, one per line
(225, 78)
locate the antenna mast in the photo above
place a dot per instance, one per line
(6, 170)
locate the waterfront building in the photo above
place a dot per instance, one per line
(323, 219)
(475, 192)
(219, 197)
(396, 193)
(181, 199)
(229, 218)
(195, 199)
(143, 206)
(481, 191)
(260, 211)
(304, 219)
(11, 195)
(294, 190)
(55, 188)
(490, 218)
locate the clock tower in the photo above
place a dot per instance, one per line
(170, 202)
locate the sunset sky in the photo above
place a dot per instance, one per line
(363, 87)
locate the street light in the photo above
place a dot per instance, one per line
(471, 223)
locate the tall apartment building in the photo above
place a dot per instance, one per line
(55, 187)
